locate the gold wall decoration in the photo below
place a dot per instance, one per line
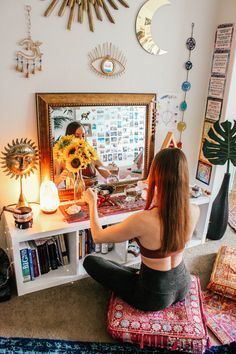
(107, 60)
(20, 159)
(77, 8)
(29, 59)
(143, 26)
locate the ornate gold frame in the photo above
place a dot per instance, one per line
(46, 100)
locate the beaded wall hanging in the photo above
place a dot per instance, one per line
(186, 86)
(29, 59)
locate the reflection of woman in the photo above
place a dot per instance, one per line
(161, 230)
(77, 129)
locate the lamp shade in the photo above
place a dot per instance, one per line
(49, 199)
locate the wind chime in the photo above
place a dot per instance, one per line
(30, 59)
(186, 86)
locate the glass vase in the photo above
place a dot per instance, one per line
(79, 187)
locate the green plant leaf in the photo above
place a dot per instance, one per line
(220, 145)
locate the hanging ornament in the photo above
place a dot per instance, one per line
(183, 106)
(188, 65)
(181, 126)
(186, 86)
(29, 59)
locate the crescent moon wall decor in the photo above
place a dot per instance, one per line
(77, 8)
(143, 26)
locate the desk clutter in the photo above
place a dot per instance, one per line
(117, 205)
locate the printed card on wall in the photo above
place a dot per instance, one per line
(216, 87)
(207, 126)
(213, 109)
(224, 35)
(204, 172)
(220, 64)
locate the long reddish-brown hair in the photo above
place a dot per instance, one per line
(169, 180)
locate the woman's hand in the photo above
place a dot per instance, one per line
(90, 196)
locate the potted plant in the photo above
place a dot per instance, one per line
(221, 148)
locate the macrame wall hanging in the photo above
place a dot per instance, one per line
(186, 86)
(77, 8)
(106, 60)
(29, 59)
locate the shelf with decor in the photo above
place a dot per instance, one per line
(48, 227)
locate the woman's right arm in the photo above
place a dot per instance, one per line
(123, 231)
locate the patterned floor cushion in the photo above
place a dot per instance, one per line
(223, 277)
(180, 327)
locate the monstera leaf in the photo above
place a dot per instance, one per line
(221, 147)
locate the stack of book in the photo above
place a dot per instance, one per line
(41, 256)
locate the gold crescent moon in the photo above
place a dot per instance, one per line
(143, 26)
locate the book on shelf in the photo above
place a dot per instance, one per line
(64, 248)
(25, 265)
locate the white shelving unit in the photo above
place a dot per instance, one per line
(46, 226)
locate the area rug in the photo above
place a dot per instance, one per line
(42, 346)
(221, 316)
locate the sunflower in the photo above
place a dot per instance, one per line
(70, 150)
(74, 163)
(77, 153)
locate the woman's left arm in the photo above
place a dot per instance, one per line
(123, 231)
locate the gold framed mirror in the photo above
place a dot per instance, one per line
(120, 126)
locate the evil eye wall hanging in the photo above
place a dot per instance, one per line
(186, 86)
(107, 61)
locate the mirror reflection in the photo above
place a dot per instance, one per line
(117, 133)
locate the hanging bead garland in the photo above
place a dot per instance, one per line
(186, 86)
(29, 60)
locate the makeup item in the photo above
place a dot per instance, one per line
(104, 248)
(97, 247)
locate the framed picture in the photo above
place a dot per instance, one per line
(220, 64)
(224, 36)
(204, 172)
(207, 126)
(213, 109)
(216, 87)
(88, 129)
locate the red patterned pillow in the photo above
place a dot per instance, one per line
(180, 327)
(223, 277)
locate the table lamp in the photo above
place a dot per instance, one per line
(49, 199)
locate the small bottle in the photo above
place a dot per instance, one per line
(110, 246)
(104, 248)
(97, 248)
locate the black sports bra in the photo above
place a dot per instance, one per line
(154, 253)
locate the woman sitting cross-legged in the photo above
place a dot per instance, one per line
(162, 230)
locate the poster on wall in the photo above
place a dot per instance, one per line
(213, 109)
(216, 87)
(224, 35)
(204, 172)
(220, 64)
(207, 126)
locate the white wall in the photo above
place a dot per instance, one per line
(66, 69)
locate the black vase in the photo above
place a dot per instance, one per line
(219, 212)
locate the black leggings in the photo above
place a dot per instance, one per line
(150, 290)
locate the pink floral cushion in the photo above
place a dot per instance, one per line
(180, 327)
(223, 276)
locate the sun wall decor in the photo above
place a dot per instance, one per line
(77, 8)
(18, 160)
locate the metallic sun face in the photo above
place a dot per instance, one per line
(20, 158)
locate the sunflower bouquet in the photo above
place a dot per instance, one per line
(77, 153)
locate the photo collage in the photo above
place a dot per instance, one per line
(116, 132)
